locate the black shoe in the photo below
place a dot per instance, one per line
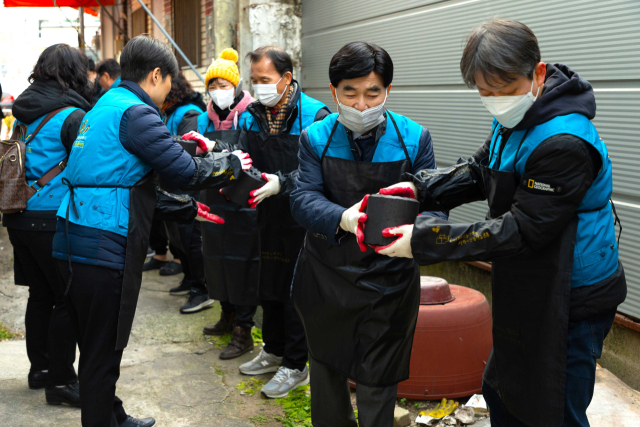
(150, 252)
(69, 394)
(198, 301)
(154, 264)
(182, 289)
(170, 268)
(37, 380)
(138, 422)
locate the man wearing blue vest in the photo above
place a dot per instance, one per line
(105, 216)
(358, 308)
(109, 74)
(271, 128)
(556, 277)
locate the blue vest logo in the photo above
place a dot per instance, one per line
(84, 128)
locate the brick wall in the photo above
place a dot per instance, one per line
(168, 17)
(208, 48)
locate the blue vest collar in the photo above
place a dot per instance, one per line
(140, 93)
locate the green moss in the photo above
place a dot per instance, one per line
(250, 386)
(5, 334)
(296, 407)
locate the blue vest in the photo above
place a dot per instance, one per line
(310, 108)
(388, 149)
(116, 83)
(43, 153)
(174, 120)
(596, 252)
(98, 158)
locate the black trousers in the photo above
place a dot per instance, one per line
(331, 401)
(244, 313)
(193, 262)
(93, 302)
(158, 240)
(51, 344)
(283, 334)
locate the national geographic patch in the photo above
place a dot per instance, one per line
(541, 186)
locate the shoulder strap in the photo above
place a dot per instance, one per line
(57, 169)
(45, 120)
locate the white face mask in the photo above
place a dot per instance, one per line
(268, 94)
(223, 98)
(509, 110)
(358, 121)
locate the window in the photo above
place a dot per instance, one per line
(139, 22)
(187, 29)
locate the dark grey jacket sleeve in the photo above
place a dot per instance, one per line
(535, 219)
(144, 135)
(69, 130)
(189, 122)
(448, 188)
(309, 205)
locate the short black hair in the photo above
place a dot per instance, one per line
(144, 54)
(500, 49)
(281, 59)
(65, 65)
(359, 59)
(91, 65)
(109, 66)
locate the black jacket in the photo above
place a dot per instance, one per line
(534, 220)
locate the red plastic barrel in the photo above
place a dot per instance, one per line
(451, 344)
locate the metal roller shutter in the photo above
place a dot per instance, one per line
(598, 39)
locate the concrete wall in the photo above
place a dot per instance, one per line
(269, 23)
(621, 347)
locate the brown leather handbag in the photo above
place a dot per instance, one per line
(14, 189)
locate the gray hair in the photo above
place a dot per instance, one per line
(500, 49)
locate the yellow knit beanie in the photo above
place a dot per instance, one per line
(224, 67)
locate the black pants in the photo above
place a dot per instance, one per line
(193, 261)
(331, 401)
(93, 302)
(244, 313)
(158, 239)
(51, 344)
(283, 334)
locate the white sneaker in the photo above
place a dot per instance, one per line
(261, 364)
(284, 381)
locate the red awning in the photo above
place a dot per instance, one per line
(90, 11)
(61, 3)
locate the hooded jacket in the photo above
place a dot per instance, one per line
(38, 100)
(570, 166)
(44, 96)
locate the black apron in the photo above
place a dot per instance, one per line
(231, 250)
(281, 237)
(359, 309)
(531, 294)
(142, 201)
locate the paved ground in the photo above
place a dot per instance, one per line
(171, 372)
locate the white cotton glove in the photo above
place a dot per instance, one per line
(244, 159)
(205, 145)
(271, 188)
(353, 220)
(401, 189)
(401, 247)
